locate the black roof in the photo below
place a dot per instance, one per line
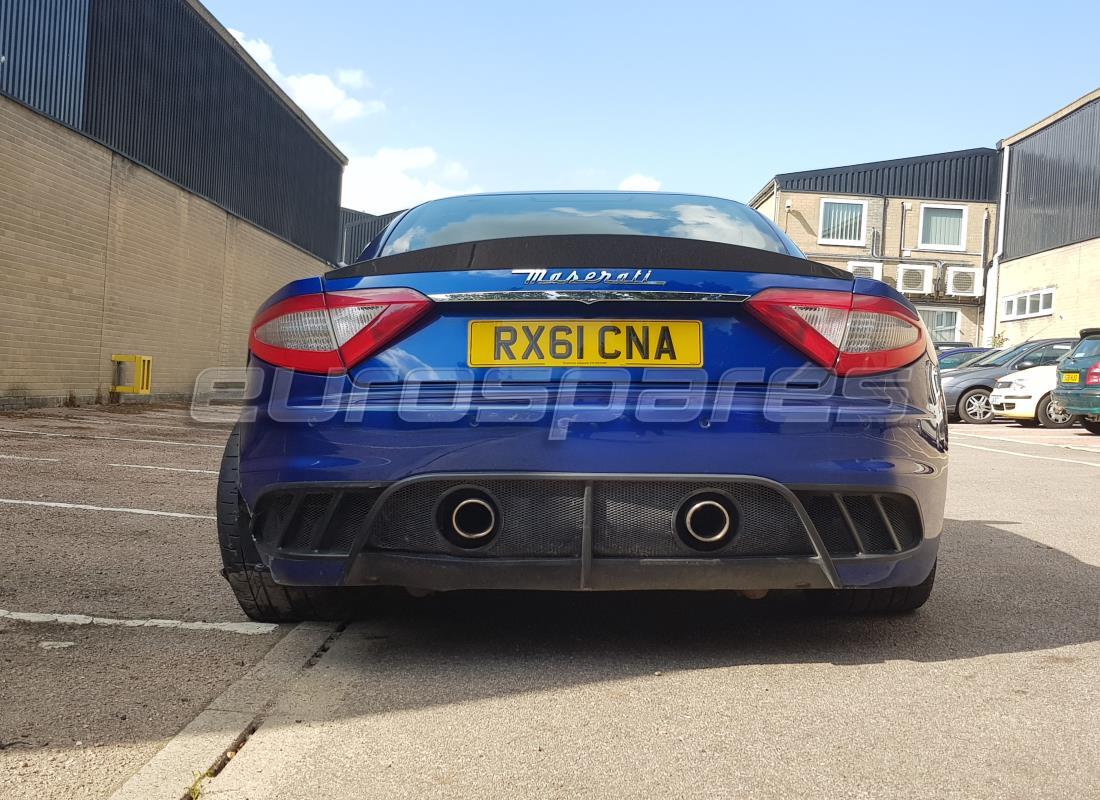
(970, 175)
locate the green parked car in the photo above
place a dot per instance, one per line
(1078, 389)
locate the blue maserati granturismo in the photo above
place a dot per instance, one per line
(585, 391)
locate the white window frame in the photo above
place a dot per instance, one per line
(862, 222)
(1006, 317)
(943, 247)
(929, 278)
(875, 266)
(958, 319)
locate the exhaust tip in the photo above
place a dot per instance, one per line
(467, 517)
(707, 520)
(473, 518)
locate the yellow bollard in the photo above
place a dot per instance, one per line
(143, 374)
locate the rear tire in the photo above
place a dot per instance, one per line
(975, 408)
(1091, 425)
(1052, 415)
(896, 600)
(257, 593)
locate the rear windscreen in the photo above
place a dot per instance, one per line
(1087, 347)
(499, 216)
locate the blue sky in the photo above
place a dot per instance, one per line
(434, 98)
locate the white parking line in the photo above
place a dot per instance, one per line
(247, 628)
(207, 428)
(6, 457)
(1025, 442)
(109, 438)
(82, 507)
(165, 469)
(1026, 455)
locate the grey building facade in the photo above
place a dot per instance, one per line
(1046, 274)
(162, 83)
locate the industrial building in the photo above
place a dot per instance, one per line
(993, 246)
(358, 229)
(155, 186)
(1045, 279)
(923, 224)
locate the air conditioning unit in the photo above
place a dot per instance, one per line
(964, 281)
(915, 278)
(865, 269)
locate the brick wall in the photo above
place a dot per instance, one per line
(99, 256)
(1074, 274)
(803, 221)
(892, 245)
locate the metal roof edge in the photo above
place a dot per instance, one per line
(765, 190)
(811, 173)
(1050, 119)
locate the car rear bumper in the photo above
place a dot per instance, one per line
(1079, 401)
(343, 491)
(567, 531)
(448, 573)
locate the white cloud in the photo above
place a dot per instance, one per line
(639, 183)
(319, 95)
(456, 171)
(395, 178)
(259, 50)
(352, 78)
(391, 179)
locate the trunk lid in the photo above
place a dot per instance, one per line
(638, 293)
(1073, 370)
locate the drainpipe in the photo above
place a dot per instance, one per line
(985, 271)
(885, 217)
(785, 210)
(989, 319)
(901, 234)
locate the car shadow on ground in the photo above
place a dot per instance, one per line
(996, 593)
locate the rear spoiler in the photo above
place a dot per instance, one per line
(590, 251)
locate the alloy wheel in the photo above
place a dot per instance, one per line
(978, 407)
(1057, 414)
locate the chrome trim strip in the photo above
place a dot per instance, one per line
(587, 296)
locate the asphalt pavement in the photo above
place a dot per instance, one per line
(991, 690)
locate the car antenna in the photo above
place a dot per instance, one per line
(1028, 339)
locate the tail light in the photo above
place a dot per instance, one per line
(333, 331)
(847, 333)
(1092, 376)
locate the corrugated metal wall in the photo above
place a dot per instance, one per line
(357, 229)
(967, 175)
(42, 55)
(1054, 185)
(167, 91)
(153, 81)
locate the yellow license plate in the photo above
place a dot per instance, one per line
(1071, 377)
(586, 343)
